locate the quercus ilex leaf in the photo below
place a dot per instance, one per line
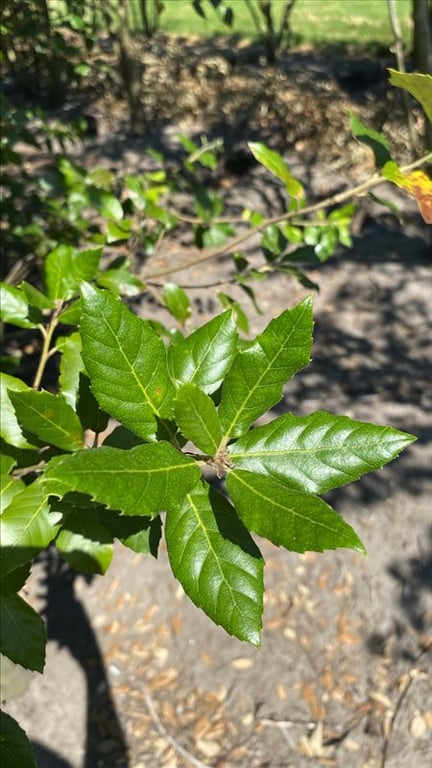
(205, 356)
(197, 418)
(213, 556)
(145, 480)
(256, 377)
(22, 633)
(49, 417)
(126, 362)
(318, 452)
(16, 749)
(298, 521)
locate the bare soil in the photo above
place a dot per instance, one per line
(136, 676)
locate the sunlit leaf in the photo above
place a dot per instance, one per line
(10, 429)
(217, 562)
(417, 84)
(49, 417)
(417, 184)
(197, 418)
(145, 480)
(277, 166)
(293, 519)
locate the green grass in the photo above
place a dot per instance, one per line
(358, 24)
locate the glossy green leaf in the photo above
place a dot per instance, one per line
(84, 542)
(65, 268)
(255, 380)
(204, 357)
(176, 301)
(141, 534)
(35, 298)
(26, 527)
(10, 429)
(295, 520)
(145, 480)
(110, 207)
(121, 281)
(22, 633)
(14, 307)
(118, 230)
(373, 139)
(15, 748)
(126, 362)
(10, 486)
(49, 417)
(71, 365)
(277, 166)
(217, 562)
(197, 418)
(318, 452)
(417, 84)
(12, 582)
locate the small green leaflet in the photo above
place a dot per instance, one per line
(126, 362)
(417, 84)
(71, 365)
(10, 429)
(22, 633)
(298, 521)
(145, 480)
(49, 417)
(276, 165)
(216, 561)
(16, 749)
(14, 307)
(318, 452)
(255, 380)
(205, 356)
(65, 268)
(197, 418)
(26, 527)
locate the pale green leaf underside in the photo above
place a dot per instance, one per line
(217, 562)
(297, 521)
(71, 365)
(145, 480)
(255, 380)
(26, 527)
(205, 356)
(318, 452)
(126, 362)
(49, 417)
(197, 418)
(22, 633)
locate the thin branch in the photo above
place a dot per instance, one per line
(47, 334)
(185, 754)
(400, 59)
(341, 197)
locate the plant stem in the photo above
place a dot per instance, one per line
(47, 333)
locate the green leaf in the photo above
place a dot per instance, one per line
(10, 429)
(65, 268)
(83, 541)
(15, 748)
(277, 166)
(14, 307)
(145, 480)
(204, 357)
(297, 521)
(26, 527)
(91, 416)
(10, 486)
(317, 452)
(418, 85)
(49, 417)
(110, 207)
(197, 418)
(255, 380)
(373, 139)
(12, 582)
(71, 365)
(35, 298)
(176, 300)
(126, 362)
(22, 633)
(217, 562)
(141, 534)
(121, 281)
(119, 231)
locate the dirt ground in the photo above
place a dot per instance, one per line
(137, 677)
